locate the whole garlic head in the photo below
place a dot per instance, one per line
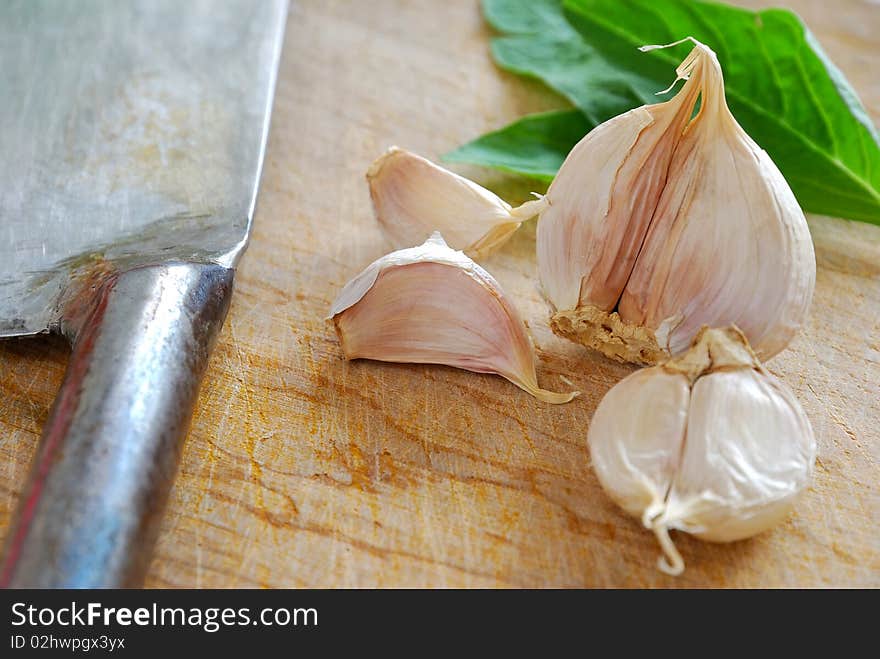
(659, 223)
(708, 443)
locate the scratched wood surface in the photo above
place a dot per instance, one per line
(304, 470)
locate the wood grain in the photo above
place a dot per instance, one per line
(304, 470)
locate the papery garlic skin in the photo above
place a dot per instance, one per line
(601, 202)
(749, 424)
(709, 443)
(754, 267)
(690, 225)
(433, 305)
(637, 470)
(413, 197)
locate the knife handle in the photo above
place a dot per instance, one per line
(89, 514)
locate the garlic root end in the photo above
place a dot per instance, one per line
(376, 166)
(609, 334)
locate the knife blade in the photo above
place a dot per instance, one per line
(133, 137)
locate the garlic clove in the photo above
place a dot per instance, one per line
(601, 203)
(728, 242)
(413, 197)
(638, 473)
(749, 427)
(687, 223)
(724, 443)
(433, 305)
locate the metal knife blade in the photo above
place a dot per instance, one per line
(132, 137)
(131, 132)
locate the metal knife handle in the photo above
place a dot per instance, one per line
(89, 514)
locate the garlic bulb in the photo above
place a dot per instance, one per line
(708, 443)
(659, 223)
(413, 197)
(433, 305)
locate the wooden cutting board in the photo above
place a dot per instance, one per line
(304, 470)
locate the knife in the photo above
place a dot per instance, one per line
(133, 135)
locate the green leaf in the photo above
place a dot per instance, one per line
(534, 17)
(780, 85)
(534, 146)
(543, 45)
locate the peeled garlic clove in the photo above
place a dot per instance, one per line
(687, 223)
(433, 305)
(708, 443)
(413, 197)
